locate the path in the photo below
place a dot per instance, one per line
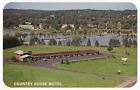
(130, 81)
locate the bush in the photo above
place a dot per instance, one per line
(89, 42)
(97, 43)
(62, 62)
(67, 61)
(114, 42)
(110, 48)
(59, 43)
(68, 43)
(52, 42)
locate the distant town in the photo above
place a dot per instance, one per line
(71, 27)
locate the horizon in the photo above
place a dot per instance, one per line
(69, 6)
(72, 9)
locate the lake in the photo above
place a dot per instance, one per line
(103, 40)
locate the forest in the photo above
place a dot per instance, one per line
(83, 18)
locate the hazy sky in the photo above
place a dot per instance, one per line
(69, 6)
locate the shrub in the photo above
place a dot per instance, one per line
(110, 48)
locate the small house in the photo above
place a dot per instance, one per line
(26, 43)
(64, 26)
(18, 54)
(22, 55)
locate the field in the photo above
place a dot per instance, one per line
(108, 66)
(20, 73)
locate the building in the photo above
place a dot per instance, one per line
(68, 54)
(22, 55)
(18, 53)
(72, 25)
(25, 58)
(28, 23)
(26, 43)
(126, 32)
(40, 26)
(28, 56)
(43, 26)
(30, 27)
(64, 26)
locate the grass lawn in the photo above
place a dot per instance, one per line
(19, 73)
(109, 65)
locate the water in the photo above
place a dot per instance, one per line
(103, 40)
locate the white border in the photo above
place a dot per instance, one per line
(4, 2)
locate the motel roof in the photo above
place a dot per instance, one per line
(66, 53)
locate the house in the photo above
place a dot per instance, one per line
(64, 26)
(26, 43)
(28, 23)
(53, 16)
(43, 26)
(126, 32)
(18, 53)
(23, 55)
(72, 25)
(30, 27)
(90, 25)
(40, 26)
(69, 31)
(67, 25)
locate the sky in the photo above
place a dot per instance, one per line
(69, 6)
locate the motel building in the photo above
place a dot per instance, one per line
(23, 55)
(69, 55)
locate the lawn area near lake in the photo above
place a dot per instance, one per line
(20, 73)
(108, 65)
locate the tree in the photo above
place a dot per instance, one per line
(59, 43)
(130, 43)
(88, 43)
(67, 61)
(96, 43)
(10, 41)
(42, 41)
(33, 38)
(114, 42)
(76, 41)
(110, 48)
(62, 62)
(52, 42)
(125, 42)
(18, 35)
(68, 43)
(134, 43)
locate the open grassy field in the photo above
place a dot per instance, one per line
(109, 65)
(20, 73)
